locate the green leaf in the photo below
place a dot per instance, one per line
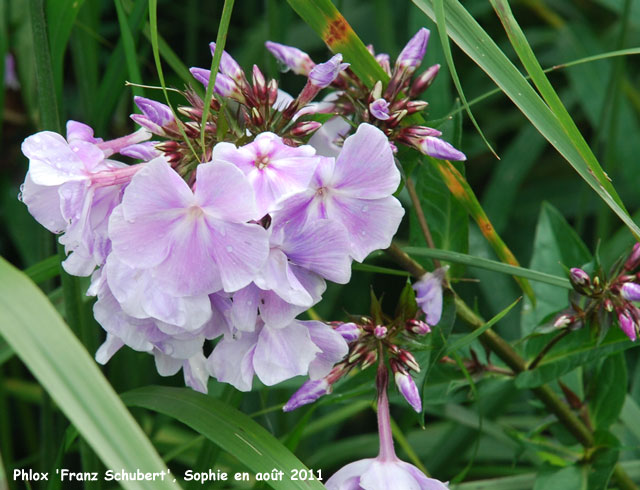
(611, 389)
(47, 100)
(376, 309)
(129, 45)
(558, 363)
(34, 329)
(465, 31)
(44, 270)
(407, 306)
(227, 427)
(61, 15)
(568, 478)
(490, 265)
(470, 337)
(555, 245)
(603, 460)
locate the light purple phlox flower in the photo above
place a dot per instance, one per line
(354, 190)
(429, 294)
(196, 242)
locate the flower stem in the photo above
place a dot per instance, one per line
(422, 219)
(387, 453)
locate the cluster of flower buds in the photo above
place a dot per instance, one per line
(249, 109)
(609, 296)
(385, 106)
(366, 341)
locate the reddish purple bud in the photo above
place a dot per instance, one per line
(259, 84)
(411, 56)
(416, 106)
(256, 117)
(380, 331)
(579, 277)
(291, 58)
(191, 112)
(369, 359)
(631, 291)
(305, 128)
(627, 324)
(563, 320)
(634, 258)
(424, 81)
(409, 390)
(379, 109)
(309, 392)
(272, 91)
(418, 327)
(408, 360)
(608, 305)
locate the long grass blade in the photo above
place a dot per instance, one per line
(476, 43)
(129, 46)
(446, 48)
(39, 336)
(230, 429)
(488, 264)
(221, 39)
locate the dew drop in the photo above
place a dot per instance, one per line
(365, 209)
(229, 248)
(363, 233)
(249, 303)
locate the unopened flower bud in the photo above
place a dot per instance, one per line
(408, 360)
(411, 55)
(192, 129)
(630, 291)
(349, 331)
(305, 128)
(272, 91)
(416, 106)
(627, 324)
(608, 305)
(633, 260)
(409, 390)
(384, 62)
(256, 117)
(437, 148)
(423, 81)
(229, 66)
(380, 331)
(291, 58)
(309, 392)
(579, 277)
(395, 119)
(418, 327)
(259, 84)
(370, 358)
(563, 320)
(376, 93)
(191, 112)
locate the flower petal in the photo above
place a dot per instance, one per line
(232, 361)
(365, 167)
(333, 348)
(282, 353)
(371, 223)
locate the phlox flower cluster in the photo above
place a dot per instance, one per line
(237, 252)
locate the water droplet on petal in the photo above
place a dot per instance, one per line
(229, 248)
(365, 209)
(363, 233)
(249, 303)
